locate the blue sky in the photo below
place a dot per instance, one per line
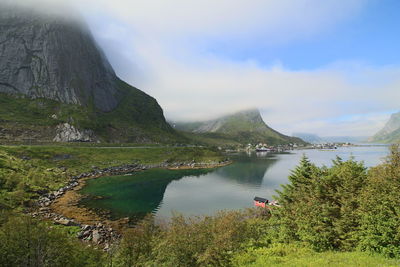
(370, 36)
(327, 67)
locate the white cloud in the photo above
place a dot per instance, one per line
(292, 100)
(239, 18)
(159, 46)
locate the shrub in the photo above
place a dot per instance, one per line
(380, 208)
(28, 242)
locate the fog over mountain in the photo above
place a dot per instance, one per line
(254, 55)
(57, 85)
(390, 133)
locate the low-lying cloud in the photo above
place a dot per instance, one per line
(162, 47)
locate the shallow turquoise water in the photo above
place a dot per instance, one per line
(196, 192)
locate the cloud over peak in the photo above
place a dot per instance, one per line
(175, 51)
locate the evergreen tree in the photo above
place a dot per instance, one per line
(320, 205)
(291, 198)
(380, 208)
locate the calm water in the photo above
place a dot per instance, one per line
(195, 192)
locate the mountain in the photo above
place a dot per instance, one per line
(57, 85)
(315, 139)
(390, 132)
(344, 139)
(241, 127)
(308, 137)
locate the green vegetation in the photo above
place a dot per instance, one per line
(232, 130)
(21, 181)
(391, 131)
(344, 215)
(295, 255)
(28, 242)
(138, 118)
(26, 171)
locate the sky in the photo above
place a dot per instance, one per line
(325, 67)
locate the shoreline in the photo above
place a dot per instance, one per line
(67, 204)
(62, 206)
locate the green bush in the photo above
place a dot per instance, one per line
(28, 242)
(380, 208)
(196, 241)
(320, 205)
(136, 247)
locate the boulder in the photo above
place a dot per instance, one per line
(96, 237)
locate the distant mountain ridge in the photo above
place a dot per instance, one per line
(308, 137)
(390, 133)
(244, 127)
(57, 85)
(315, 139)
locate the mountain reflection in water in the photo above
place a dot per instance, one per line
(195, 192)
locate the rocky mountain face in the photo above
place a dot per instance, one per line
(390, 132)
(46, 58)
(245, 127)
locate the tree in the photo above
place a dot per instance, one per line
(28, 242)
(320, 205)
(380, 208)
(291, 199)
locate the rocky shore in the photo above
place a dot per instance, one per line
(97, 231)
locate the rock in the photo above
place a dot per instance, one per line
(44, 209)
(80, 235)
(65, 222)
(87, 233)
(38, 48)
(86, 227)
(63, 169)
(68, 133)
(84, 234)
(96, 236)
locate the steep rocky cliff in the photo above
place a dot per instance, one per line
(54, 58)
(53, 66)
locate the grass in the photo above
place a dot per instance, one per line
(138, 118)
(81, 159)
(297, 256)
(25, 171)
(235, 130)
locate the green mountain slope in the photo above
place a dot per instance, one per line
(390, 132)
(239, 128)
(137, 118)
(57, 85)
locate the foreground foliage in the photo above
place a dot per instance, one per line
(27, 242)
(297, 255)
(343, 215)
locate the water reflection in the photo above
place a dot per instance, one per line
(248, 170)
(194, 192)
(132, 195)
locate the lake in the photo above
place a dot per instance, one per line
(203, 192)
